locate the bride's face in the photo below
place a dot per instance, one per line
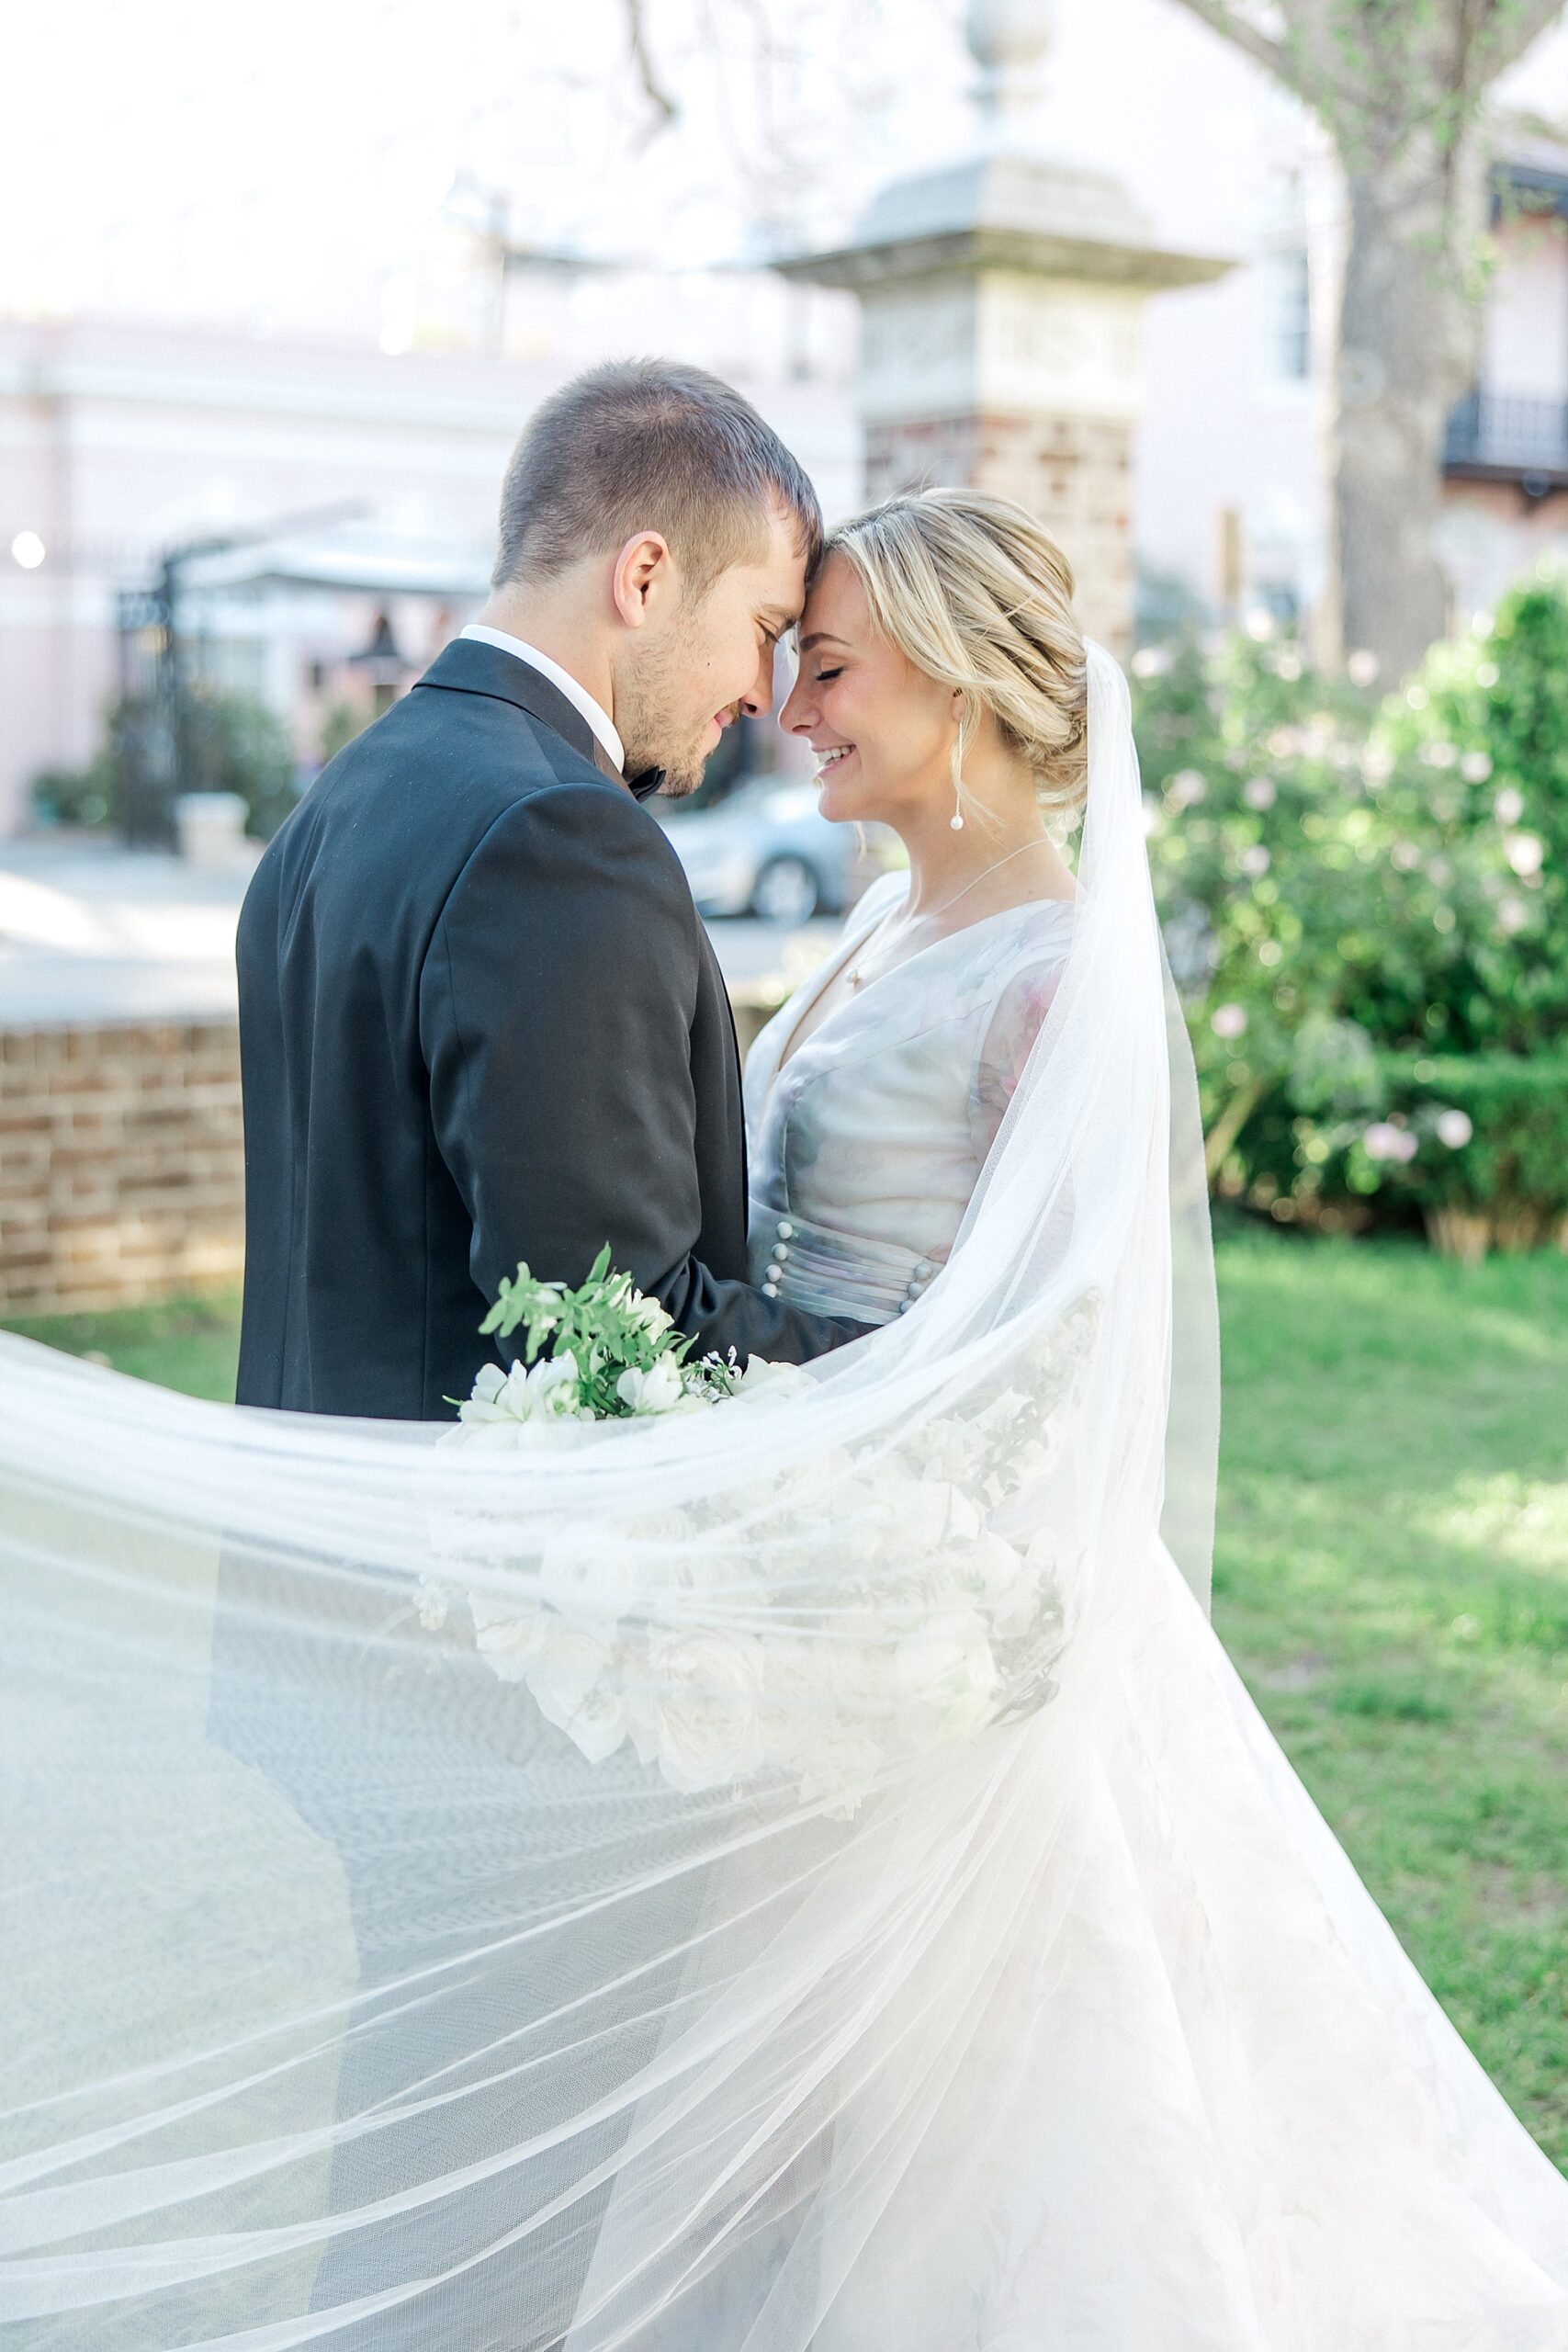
(882, 730)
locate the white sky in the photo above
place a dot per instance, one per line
(278, 167)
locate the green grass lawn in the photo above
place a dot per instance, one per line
(1391, 1578)
(190, 1344)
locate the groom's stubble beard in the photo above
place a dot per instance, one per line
(651, 716)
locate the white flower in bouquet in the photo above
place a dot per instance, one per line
(951, 1449)
(1001, 1417)
(589, 1574)
(554, 1386)
(539, 1392)
(842, 1768)
(646, 1312)
(497, 1397)
(699, 1716)
(600, 1724)
(761, 1378)
(994, 1568)
(563, 1670)
(659, 1389)
(901, 1518)
(947, 1678)
(508, 1635)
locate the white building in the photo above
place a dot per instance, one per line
(120, 439)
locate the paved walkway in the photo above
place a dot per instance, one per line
(93, 932)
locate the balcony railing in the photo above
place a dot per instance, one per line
(1522, 440)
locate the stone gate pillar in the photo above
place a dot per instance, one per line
(1002, 302)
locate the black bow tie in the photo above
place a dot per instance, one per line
(644, 786)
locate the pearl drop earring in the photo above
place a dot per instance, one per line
(955, 822)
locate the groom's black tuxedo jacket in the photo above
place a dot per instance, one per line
(479, 1021)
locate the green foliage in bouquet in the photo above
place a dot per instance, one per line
(615, 1354)
(1359, 900)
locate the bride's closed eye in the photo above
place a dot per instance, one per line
(824, 675)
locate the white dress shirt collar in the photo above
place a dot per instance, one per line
(562, 680)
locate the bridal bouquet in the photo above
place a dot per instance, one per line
(874, 1606)
(614, 1356)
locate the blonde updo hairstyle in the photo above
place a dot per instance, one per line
(974, 593)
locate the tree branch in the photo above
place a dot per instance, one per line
(1223, 19)
(1515, 25)
(653, 89)
(1522, 123)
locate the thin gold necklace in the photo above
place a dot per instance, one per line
(856, 975)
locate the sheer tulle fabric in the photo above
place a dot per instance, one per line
(796, 1874)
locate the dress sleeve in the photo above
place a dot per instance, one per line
(1012, 1022)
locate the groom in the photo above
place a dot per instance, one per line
(482, 1022)
(480, 1019)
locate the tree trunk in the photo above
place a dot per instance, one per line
(1409, 346)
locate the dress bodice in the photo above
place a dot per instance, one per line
(867, 1139)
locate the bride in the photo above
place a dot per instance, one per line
(834, 1890)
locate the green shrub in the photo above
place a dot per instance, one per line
(228, 743)
(232, 744)
(1365, 909)
(1476, 750)
(76, 797)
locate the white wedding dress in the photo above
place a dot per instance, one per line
(1214, 2108)
(796, 1876)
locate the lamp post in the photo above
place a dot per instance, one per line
(384, 663)
(159, 768)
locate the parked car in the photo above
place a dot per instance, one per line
(767, 851)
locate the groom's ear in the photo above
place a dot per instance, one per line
(646, 577)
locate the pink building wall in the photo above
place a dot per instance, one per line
(117, 440)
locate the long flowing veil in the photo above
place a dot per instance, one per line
(552, 1888)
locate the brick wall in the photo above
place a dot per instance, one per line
(1073, 472)
(121, 1166)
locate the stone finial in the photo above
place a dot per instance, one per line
(1007, 40)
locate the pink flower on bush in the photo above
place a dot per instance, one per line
(1384, 1141)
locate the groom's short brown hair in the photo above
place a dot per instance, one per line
(647, 444)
